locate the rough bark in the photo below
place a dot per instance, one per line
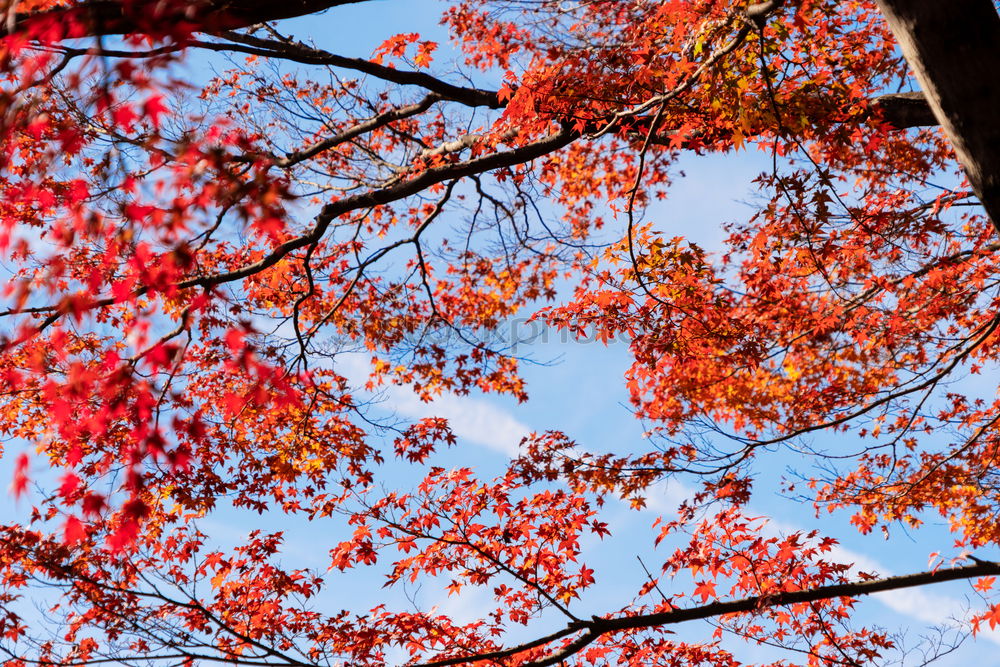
(953, 48)
(903, 110)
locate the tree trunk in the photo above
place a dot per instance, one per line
(953, 47)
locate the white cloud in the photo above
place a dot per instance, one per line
(471, 419)
(467, 606)
(919, 603)
(666, 496)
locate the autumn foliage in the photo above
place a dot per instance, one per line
(193, 262)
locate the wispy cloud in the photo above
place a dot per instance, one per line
(474, 420)
(665, 496)
(471, 419)
(919, 603)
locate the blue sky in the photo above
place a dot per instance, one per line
(577, 387)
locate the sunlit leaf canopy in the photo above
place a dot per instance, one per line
(190, 261)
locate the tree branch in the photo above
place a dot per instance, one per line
(308, 55)
(390, 194)
(596, 627)
(904, 110)
(97, 18)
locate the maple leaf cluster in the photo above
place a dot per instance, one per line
(194, 269)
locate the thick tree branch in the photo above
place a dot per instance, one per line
(594, 628)
(904, 110)
(116, 17)
(308, 55)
